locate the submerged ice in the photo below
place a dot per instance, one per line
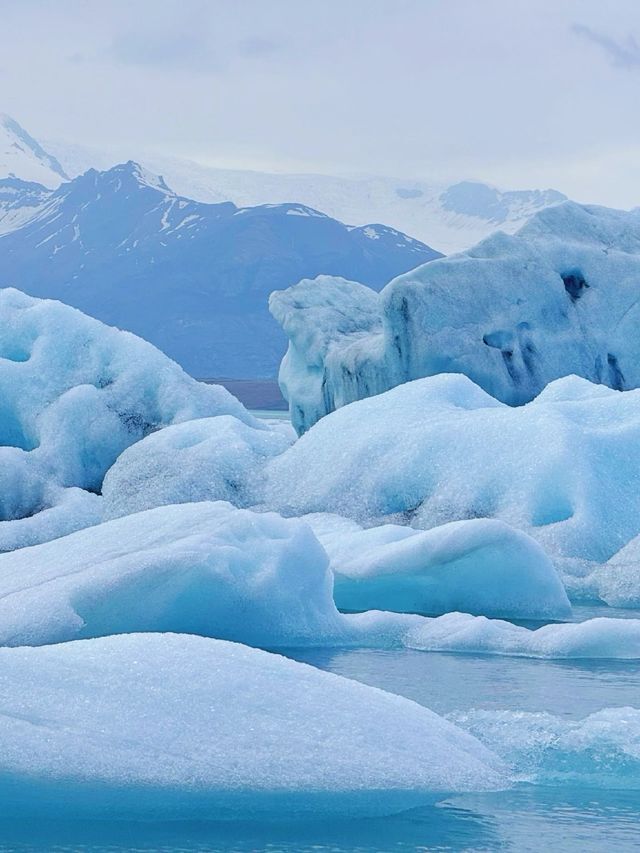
(599, 751)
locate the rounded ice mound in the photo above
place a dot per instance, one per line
(478, 566)
(206, 459)
(65, 511)
(202, 568)
(75, 393)
(617, 639)
(599, 751)
(564, 468)
(174, 726)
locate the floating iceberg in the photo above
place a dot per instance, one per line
(319, 315)
(599, 751)
(74, 394)
(479, 566)
(514, 313)
(563, 468)
(171, 726)
(204, 568)
(207, 459)
(596, 638)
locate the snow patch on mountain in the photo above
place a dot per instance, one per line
(450, 217)
(22, 157)
(192, 278)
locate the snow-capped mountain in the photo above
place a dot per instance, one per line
(22, 157)
(190, 277)
(450, 217)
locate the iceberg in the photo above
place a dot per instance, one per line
(563, 468)
(171, 726)
(318, 315)
(514, 313)
(199, 568)
(597, 638)
(478, 566)
(601, 751)
(74, 394)
(207, 459)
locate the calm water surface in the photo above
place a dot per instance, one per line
(527, 818)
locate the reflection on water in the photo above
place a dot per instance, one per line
(430, 828)
(448, 682)
(522, 820)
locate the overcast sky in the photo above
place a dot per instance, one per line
(521, 93)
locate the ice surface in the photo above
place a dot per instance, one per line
(479, 566)
(317, 315)
(617, 582)
(601, 637)
(74, 394)
(564, 468)
(206, 459)
(599, 751)
(201, 568)
(66, 510)
(177, 726)
(513, 314)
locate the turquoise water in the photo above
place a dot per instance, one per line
(529, 817)
(270, 414)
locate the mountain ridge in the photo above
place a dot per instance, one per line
(192, 278)
(437, 213)
(21, 156)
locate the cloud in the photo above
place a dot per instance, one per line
(621, 54)
(188, 52)
(192, 52)
(259, 47)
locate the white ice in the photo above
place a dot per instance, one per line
(513, 313)
(563, 468)
(601, 637)
(202, 568)
(206, 459)
(173, 726)
(74, 394)
(479, 566)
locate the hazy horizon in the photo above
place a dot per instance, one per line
(431, 90)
